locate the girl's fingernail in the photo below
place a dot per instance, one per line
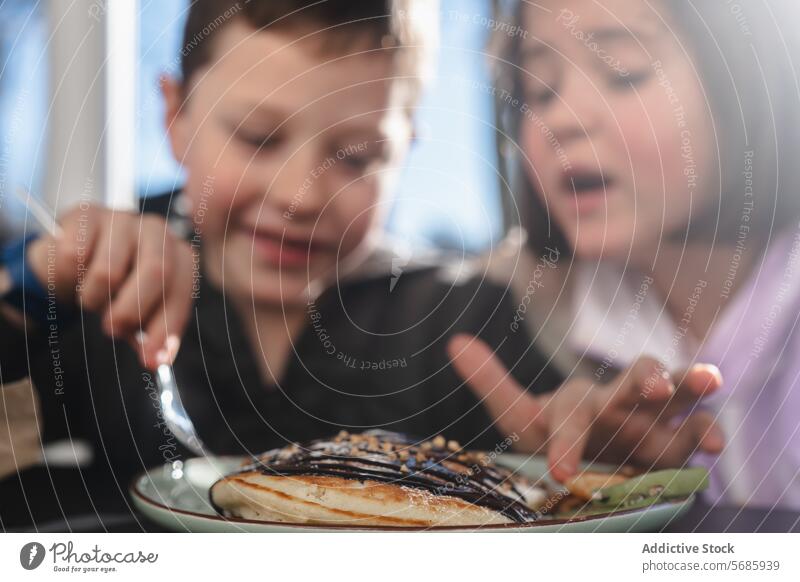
(566, 467)
(141, 337)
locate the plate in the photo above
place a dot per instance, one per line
(181, 504)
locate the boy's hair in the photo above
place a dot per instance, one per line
(745, 63)
(408, 27)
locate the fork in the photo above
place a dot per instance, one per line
(175, 416)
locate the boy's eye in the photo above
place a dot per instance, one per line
(358, 163)
(260, 142)
(357, 158)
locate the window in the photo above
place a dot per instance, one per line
(23, 106)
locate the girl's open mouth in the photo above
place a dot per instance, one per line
(587, 188)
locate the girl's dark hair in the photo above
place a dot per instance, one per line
(390, 24)
(744, 57)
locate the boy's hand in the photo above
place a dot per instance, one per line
(638, 418)
(128, 268)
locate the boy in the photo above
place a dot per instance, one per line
(290, 120)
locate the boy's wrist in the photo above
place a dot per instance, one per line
(21, 288)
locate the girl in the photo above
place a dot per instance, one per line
(654, 146)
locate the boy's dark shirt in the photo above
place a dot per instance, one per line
(371, 354)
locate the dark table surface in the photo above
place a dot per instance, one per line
(65, 500)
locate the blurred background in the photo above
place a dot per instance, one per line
(81, 116)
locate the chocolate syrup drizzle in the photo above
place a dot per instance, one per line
(394, 458)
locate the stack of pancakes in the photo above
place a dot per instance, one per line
(377, 478)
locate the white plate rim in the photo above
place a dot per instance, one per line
(677, 506)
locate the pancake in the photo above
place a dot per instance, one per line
(377, 478)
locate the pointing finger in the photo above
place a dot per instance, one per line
(507, 402)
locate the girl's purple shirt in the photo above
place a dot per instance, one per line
(755, 342)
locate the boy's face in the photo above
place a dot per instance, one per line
(287, 151)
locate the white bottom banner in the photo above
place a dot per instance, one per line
(388, 556)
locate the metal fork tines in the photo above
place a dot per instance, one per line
(175, 416)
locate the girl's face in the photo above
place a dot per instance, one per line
(615, 124)
(287, 151)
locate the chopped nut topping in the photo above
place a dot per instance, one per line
(439, 442)
(453, 446)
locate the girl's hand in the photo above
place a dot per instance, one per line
(125, 266)
(640, 417)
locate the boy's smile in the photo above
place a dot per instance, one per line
(290, 250)
(300, 144)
